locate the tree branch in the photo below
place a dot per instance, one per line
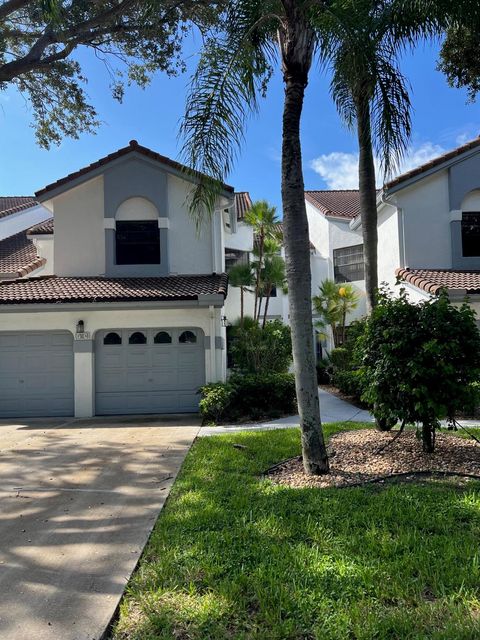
(11, 6)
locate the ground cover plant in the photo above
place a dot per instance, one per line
(235, 556)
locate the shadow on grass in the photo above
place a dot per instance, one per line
(234, 556)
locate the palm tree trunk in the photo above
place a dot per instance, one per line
(368, 198)
(297, 44)
(241, 306)
(267, 300)
(258, 301)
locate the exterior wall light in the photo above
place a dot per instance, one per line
(80, 326)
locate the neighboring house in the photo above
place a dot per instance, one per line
(127, 314)
(428, 230)
(239, 247)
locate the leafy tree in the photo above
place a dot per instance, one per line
(232, 75)
(333, 304)
(419, 360)
(241, 275)
(134, 38)
(262, 350)
(459, 59)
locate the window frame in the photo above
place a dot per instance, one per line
(471, 240)
(344, 255)
(139, 248)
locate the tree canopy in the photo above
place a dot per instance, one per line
(134, 38)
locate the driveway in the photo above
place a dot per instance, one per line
(78, 500)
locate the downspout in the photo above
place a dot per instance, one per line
(213, 368)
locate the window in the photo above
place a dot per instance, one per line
(112, 338)
(137, 338)
(233, 257)
(187, 337)
(162, 337)
(137, 242)
(348, 264)
(471, 234)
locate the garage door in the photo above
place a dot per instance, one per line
(36, 374)
(148, 371)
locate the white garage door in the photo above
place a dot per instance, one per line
(36, 374)
(148, 370)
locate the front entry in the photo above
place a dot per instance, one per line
(148, 370)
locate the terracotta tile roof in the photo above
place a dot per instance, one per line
(243, 203)
(435, 162)
(434, 280)
(54, 289)
(13, 204)
(44, 228)
(133, 147)
(343, 203)
(18, 256)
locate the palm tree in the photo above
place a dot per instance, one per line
(333, 303)
(263, 219)
(362, 41)
(273, 277)
(241, 275)
(232, 74)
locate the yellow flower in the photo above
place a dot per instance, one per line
(342, 292)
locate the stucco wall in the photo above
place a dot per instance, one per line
(426, 215)
(79, 230)
(389, 258)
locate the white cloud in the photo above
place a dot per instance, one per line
(339, 170)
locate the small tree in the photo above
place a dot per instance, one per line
(332, 305)
(262, 350)
(241, 275)
(418, 361)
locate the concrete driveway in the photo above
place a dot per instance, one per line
(78, 500)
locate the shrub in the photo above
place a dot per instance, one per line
(259, 350)
(419, 361)
(323, 375)
(346, 361)
(249, 397)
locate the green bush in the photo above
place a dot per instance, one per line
(323, 375)
(258, 350)
(420, 361)
(346, 361)
(341, 358)
(249, 397)
(349, 382)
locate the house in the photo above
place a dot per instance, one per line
(239, 247)
(117, 304)
(428, 230)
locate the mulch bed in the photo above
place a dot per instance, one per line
(355, 459)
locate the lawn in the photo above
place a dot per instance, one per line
(235, 556)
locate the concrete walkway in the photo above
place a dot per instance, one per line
(78, 500)
(332, 409)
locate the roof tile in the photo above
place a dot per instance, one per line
(434, 280)
(18, 256)
(54, 289)
(243, 203)
(344, 203)
(12, 204)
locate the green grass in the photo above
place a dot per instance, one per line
(234, 556)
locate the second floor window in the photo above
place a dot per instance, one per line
(471, 234)
(137, 242)
(348, 264)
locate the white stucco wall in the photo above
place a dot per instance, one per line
(389, 258)
(426, 219)
(79, 248)
(188, 251)
(45, 249)
(10, 225)
(206, 319)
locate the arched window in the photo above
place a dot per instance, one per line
(137, 338)
(162, 337)
(187, 337)
(112, 338)
(471, 225)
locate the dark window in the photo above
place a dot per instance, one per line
(162, 337)
(348, 264)
(471, 234)
(187, 337)
(233, 257)
(137, 242)
(273, 292)
(137, 338)
(112, 338)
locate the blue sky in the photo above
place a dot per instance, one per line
(441, 119)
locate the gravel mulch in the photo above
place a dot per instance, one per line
(354, 459)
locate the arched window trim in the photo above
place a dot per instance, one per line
(115, 342)
(162, 333)
(185, 337)
(137, 333)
